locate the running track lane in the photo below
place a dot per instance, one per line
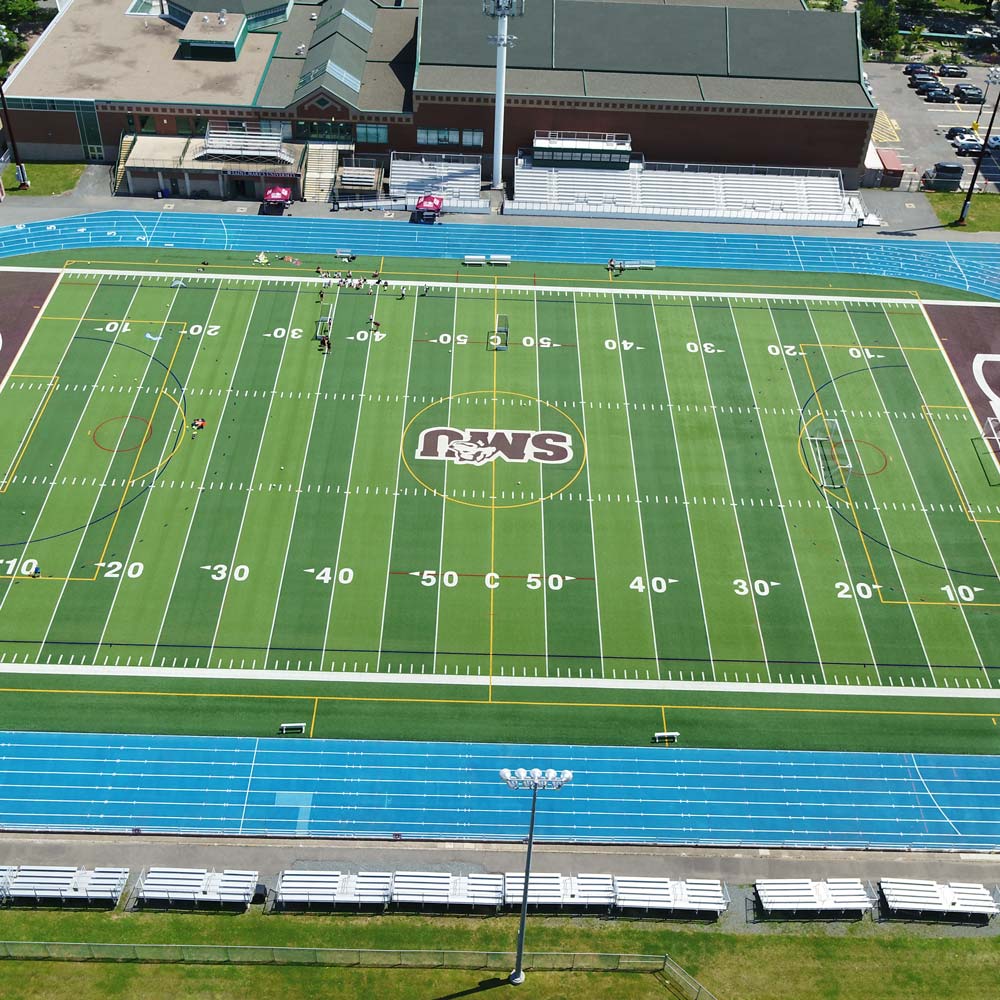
(341, 788)
(969, 266)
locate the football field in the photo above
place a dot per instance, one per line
(483, 481)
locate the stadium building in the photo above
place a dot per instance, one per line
(226, 97)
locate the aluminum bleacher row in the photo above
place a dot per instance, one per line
(549, 892)
(685, 192)
(456, 178)
(71, 886)
(962, 899)
(169, 887)
(802, 895)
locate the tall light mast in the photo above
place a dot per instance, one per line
(501, 10)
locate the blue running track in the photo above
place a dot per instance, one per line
(969, 266)
(341, 788)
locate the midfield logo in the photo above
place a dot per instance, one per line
(477, 447)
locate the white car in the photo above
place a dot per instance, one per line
(977, 32)
(993, 143)
(968, 147)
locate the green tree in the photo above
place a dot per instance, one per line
(880, 26)
(915, 39)
(16, 11)
(834, 6)
(917, 8)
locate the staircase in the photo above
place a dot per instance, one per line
(321, 171)
(118, 171)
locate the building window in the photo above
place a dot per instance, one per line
(375, 135)
(472, 137)
(437, 136)
(321, 102)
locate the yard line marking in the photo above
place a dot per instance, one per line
(347, 493)
(395, 491)
(873, 506)
(541, 489)
(145, 503)
(444, 502)
(69, 442)
(729, 484)
(923, 505)
(10, 476)
(680, 469)
(110, 458)
(590, 512)
(777, 489)
(298, 493)
(635, 480)
(253, 475)
(833, 517)
(204, 478)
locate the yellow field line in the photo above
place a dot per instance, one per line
(663, 717)
(12, 471)
(312, 725)
(505, 702)
(130, 479)
(177, 447)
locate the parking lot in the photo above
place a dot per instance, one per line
(916, 129)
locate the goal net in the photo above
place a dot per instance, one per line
(830, 454)
(497, 340)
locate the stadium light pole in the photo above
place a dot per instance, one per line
(501, 10)
(993, 77)
(535, 779)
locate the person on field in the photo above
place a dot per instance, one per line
(197, 425)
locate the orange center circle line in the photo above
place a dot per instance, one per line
(129, 417)
(493, 505)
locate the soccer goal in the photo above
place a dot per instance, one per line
(831, 454)
(497, 340)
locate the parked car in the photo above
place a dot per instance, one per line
(943, 176)
(974, 96)
(918, 78)
(978, 32)
(951, 69)
(911, 68)
(926, 85)
(939, 95)
(993, 143)
(956, 131)
(968, 147)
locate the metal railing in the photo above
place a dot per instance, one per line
(369, 958)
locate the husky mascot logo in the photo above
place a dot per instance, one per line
(477, 447)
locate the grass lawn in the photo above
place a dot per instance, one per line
(811, 965)
(984, 213)
(46, 178)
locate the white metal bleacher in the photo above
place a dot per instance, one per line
(365, 889)
(685, 192)
(916, 896)
(544, 889)
(250, 143)
(307, 888)
(167, 886)
(66, 884)
(458, 179)
(801, 894)
(649, 894)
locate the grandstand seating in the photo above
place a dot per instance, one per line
(66, 885)
(963, 899)
(647, 895)
(365, 890)
(455, 178)
(835, 895)
(166, 887)
(685, 192)
(246, 144)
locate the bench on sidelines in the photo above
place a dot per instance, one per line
(500, 259)
(666, 737)
(474, 260)
(291, 727)
(345, 255)
(637, 265)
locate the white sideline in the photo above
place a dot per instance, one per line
(203, 673)
(264, 275)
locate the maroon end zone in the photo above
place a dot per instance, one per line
(22, 294)
(965, 333)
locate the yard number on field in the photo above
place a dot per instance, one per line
(27, 566)
(760, 587)
(113, 570)
(657, 584)
(325, 574)
(962, 594)
(221, 571)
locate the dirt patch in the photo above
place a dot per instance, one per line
(21, 296)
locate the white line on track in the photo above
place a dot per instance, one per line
(729, 484)
(204, 479)
(253, 476)
(590, 512)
